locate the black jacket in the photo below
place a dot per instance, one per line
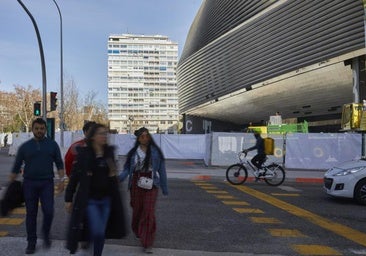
(77, 192)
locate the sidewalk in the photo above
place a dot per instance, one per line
(17, 245)
(195, 169)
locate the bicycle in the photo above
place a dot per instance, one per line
(273, 174)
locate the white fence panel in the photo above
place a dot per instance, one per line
(303, 150)
(321, 151)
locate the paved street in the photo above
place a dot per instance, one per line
(204, 215)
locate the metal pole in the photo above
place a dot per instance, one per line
(363, 145)
(61, 81)
(44, 83)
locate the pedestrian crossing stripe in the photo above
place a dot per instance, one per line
(281, 232)
(235, 203)
(310, 249)
(18, 211)
(224, 197)
(265, 220)
(204, 184)
(247, 210)
(217, 192)
(208, 187)
(11, 221)
(3, 233)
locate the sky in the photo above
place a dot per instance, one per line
(86, 27)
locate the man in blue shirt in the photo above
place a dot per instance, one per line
(38, 155)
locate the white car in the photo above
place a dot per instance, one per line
(347, 180)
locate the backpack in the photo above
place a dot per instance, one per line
(268, 146)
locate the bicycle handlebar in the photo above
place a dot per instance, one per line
(244, 153)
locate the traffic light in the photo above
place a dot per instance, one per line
(37, 109)
(53, 100)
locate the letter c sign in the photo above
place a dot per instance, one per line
(189, 125)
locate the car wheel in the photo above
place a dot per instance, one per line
(360, 192)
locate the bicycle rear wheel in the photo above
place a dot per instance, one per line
(236, 174)
(274, 175)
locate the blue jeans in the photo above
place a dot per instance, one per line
(35, 191)
(98, 214)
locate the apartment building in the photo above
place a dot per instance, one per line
(142, 87)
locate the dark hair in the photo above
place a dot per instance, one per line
(138, 133)
(39, 121)
(87, 126)
(92, 131)
(108, 149)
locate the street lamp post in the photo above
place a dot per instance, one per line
(131, 119)
(61, 81)
(44, 82)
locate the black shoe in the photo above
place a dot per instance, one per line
(47, 243)
(84, 245)
(31, 248)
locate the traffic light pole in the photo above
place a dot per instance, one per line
(61, 82)
(44, 83)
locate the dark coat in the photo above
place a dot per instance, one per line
(13, 197)
(77, 192)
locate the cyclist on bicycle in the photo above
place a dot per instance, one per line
(260, 157)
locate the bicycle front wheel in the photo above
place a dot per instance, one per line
(236, 174)
(274, 175)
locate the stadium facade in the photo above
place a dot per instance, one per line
(245, 60)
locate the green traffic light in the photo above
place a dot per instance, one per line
(37, 109)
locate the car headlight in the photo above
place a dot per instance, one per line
(349, 171)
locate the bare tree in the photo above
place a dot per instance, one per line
(72, 115)
(25, 98)
(16, 109)
(94, 110)
(75, 113)
(8, 112)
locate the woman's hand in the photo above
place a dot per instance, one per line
(68, 207)
(60, 186)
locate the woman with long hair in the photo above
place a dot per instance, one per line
(145, 164)
(94, 183)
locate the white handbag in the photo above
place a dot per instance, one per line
(145, 182)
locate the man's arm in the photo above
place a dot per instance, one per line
(61, 174)
(17, 165)
(61, 183)
(60, 168)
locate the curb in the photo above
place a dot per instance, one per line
(252, 179)
(309, 180)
